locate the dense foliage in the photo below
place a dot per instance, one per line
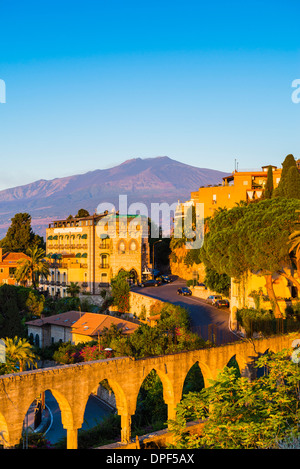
(253, 238)
(244, 414)
(20, 236)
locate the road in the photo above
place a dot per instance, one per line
(95, 412)
(204, 317)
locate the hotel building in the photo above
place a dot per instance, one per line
(92, 250)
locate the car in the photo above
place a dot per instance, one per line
(150, 283)
(166, 279)
(184, 291)
(222, 303)
(213, 298)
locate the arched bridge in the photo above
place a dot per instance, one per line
(72, 385)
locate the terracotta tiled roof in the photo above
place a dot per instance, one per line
(91, 324)
(13, 257)
(64, 319)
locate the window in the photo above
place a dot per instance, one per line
(132, 246)
(104, 261)
(122, 247)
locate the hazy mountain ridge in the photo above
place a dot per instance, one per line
(147, 180)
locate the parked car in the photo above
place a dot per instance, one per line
(213, 298)
(222, 303)
(150, 283)
(166, 279)
(184, 291)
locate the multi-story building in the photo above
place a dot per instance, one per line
(239, 186)
(92, 250)
(9, 262)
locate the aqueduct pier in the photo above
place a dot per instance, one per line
(71, 385)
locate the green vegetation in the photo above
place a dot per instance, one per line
(253, 238)
(269, 187)
(34, 267)
(19, 236)
(219, 283)
(120, 290)
(288, 179)
(243, 414)
(171, 334)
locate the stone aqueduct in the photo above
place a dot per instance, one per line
(72, 385)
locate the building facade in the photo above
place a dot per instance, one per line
(9, 262)
(239, 186)
(92, 250)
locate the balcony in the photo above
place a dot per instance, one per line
(104, 265)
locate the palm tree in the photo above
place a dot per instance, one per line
(19, 351)
(32, 268)
(73, 289)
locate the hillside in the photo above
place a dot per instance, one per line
(147, 180)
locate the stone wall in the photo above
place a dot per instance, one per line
(182, 270)
(204, 293)
(140, 303)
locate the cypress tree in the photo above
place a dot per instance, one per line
(289, 162)
(269, 184)
(293, 184)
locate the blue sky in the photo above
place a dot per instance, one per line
(90, 84)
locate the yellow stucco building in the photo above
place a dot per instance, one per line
(93, 249)
(245, 186)
(240, 185)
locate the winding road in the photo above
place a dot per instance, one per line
(206, 319)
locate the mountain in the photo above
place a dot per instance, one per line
(160, 179)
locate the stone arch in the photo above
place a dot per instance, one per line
(125, 405)
(233, 363)
(198, 375)
(162, 399)
(207, 373)
(133, 276)
(67, 416)
(121, 396)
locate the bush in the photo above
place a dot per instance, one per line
(253, 320)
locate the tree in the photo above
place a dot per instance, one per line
(253, 238)
(35, 303)
(242, 414)
(32, 268)
(269, 187)
(219, 283)
(82, 213)
(281, 189)
(19, 352)
(120, 290)
(73, 289)
(19, 236)
(293, 183)
(10, 312)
